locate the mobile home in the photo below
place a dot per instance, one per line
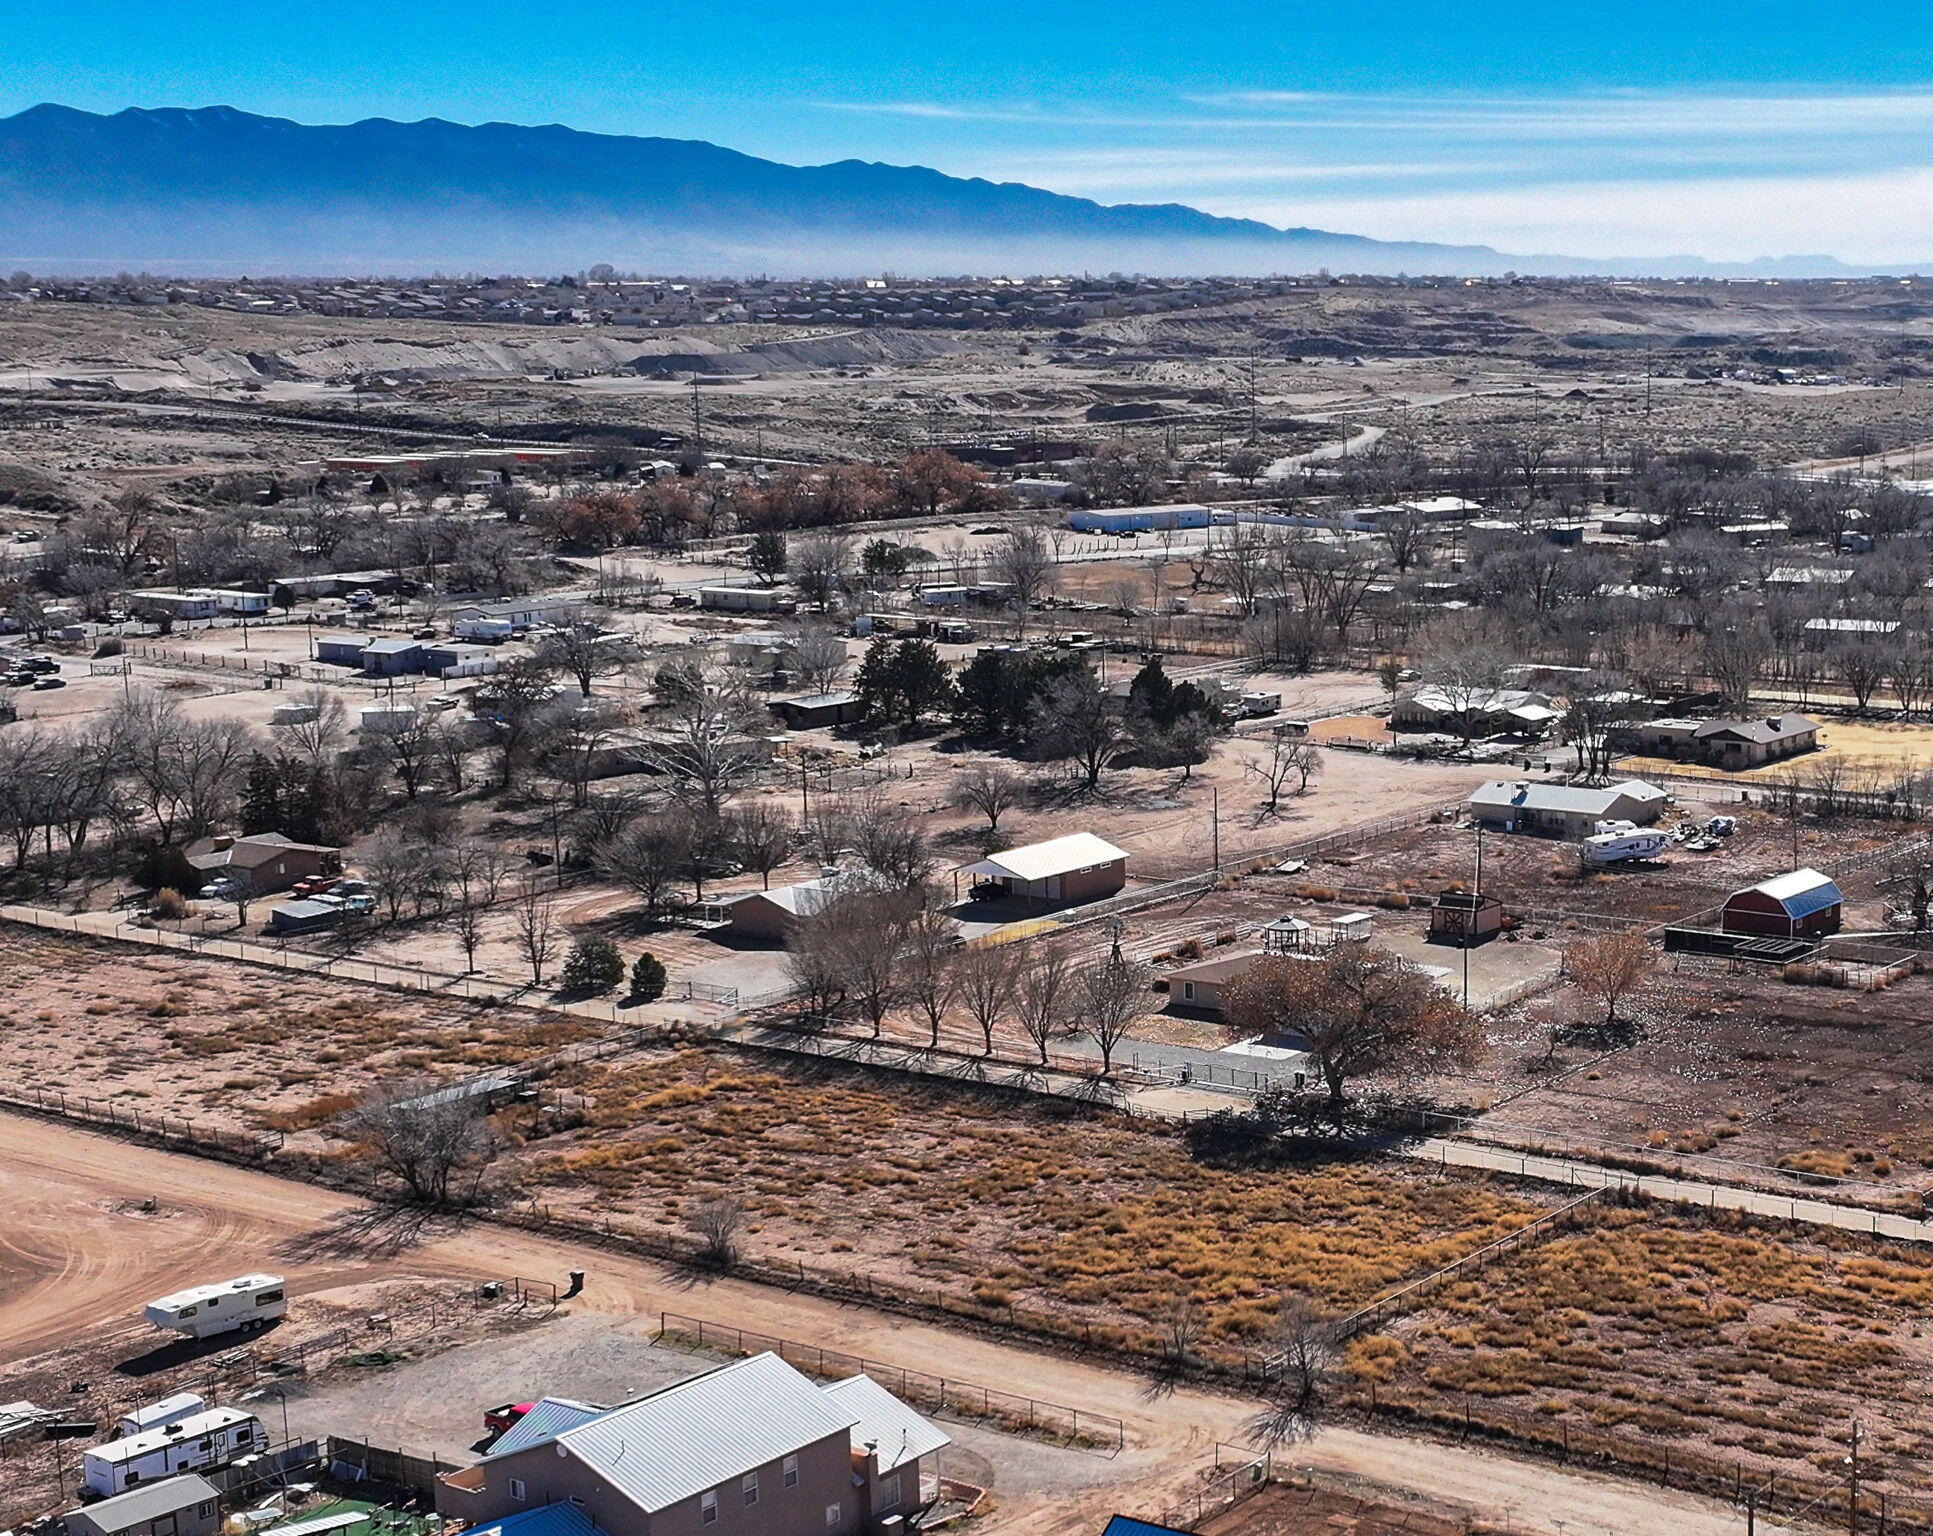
(206, 1310)
(194, 1444)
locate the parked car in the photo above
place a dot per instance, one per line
(43, 684)
(497, 1420)
(427, 632)
(38, 664)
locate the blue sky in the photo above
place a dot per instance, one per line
(1724, 130)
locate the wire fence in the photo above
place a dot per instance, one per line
(176, 1130)
(945, 1396)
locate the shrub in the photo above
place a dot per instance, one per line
(593, 965)
(647, 978)
(169, 903)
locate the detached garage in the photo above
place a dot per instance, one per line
(1081, 867)
(1792, 906)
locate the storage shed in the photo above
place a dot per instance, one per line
(1792, 906)
(187, 1505)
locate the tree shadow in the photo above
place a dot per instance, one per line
(381, 1230)
(180, 1352)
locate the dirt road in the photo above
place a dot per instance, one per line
(77, 1254)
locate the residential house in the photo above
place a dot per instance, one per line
(1820, 634)
(753, 1448)
(271, 861)
(771, 914)
(1726, 743)
(1563, 810)
(188, 1505)
(1198, 987)
(1798, 905)
(1139, 519)
(1483, 712)
(1078, 867)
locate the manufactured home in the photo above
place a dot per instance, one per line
(194, 1444)
(203, 1311)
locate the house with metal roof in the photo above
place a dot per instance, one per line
(1078, 867)
(771, 914)
(1563, 810)
(753, 1448)
(1723, 743)
(1798, 905)
(1479, 712)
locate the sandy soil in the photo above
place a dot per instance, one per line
(303, 1231)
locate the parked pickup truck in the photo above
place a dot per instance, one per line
(497, 1420)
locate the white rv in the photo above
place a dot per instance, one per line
(213, 1438)
(170, 1410)
(206, 1310)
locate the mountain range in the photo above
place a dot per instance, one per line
(217, 191)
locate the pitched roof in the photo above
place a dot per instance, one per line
(150, 1501)
(1042, 861)
(1800, 893)
(548, 1418)
(1575, 799)
(886, 1425)
(1768, 729)
(1213, 970)
(705, 1431)
(807, 896)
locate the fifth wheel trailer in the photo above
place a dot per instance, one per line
(248, 1301)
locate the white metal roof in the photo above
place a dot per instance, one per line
(196, 1294)
(548, 1418)
(191, 1428)
(706, 1431)
(1042, 861)
(886, 1425)
(150, 1501)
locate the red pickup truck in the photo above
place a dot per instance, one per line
(500, 1418)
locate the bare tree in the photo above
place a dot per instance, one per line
(1301, 1368)
(651, 856)
(761, 835)
(817, 656)
(1287, 759)
(932, 943)
(1116, 995)
(242, 889)
(1465, 680)
(986, 977)
(708, 748)
(1045, 997)
(538, 930)
(992, 789)
(323, 726)
(1024, 564)
(1078, 720)
(820, 564)
(435, 1142)
(1183, 1320)
(717, 1225)
(581, 648)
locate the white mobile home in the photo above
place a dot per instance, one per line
(170, 1410)
(206, 1310)
(193, 1444)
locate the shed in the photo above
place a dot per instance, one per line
(1792, 906)
(340, 651)
(811, 710)
(188, 1505)
(1463, 918)
(392, 658)
(1078, 867)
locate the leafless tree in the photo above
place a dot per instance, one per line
(932, 944)
(324, 728)
(242, 890)
(581, 648)
(992, 789)
(520, 697)
(435, 1143)
(817, 656)
(410, 747)
(1115, 996)
(1303, 1365)
(820, 564)
(1466, 679)
(717, 1225)
(1046, 997)
(707, 748)
(761, 836)
(651, 856)
(986, 977)
(538, 930)
(1183, 1321)
(1078, 720)
(1025, 565)
(1608, 969)
(1862, 668)
(1288, 759)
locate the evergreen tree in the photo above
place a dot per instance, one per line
(593, 965)
(1152, 694)
(874, 681)
(647, 978)
(261, 797)
(768, 557)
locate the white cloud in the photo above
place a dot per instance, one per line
(1875, 218)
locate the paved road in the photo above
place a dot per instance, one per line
(79, 1260)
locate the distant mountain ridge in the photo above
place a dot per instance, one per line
(216, 190)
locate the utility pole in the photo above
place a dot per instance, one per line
(697, 420)
(1215, 816)
(1852, 1506)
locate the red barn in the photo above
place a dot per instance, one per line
(1792, 906)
